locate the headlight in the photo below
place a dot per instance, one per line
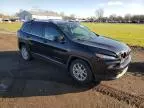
(102, 56)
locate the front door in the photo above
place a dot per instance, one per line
(57, 51)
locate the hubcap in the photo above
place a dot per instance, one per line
(24, 53)
(79, 72)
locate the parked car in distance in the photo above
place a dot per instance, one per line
(86, 55)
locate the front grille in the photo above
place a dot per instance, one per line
(124, 56)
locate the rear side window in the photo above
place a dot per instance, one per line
(37, 29)
(51, 33)
(26, 27)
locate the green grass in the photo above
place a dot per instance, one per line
(132, 34)
(10, 27)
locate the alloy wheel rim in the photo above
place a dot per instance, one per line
(24, 53)
(79, 72)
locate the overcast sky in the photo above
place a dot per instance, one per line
(83, 8)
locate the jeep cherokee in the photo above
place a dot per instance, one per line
(87, 55)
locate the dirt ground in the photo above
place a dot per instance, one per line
(40, 83)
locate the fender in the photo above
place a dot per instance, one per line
(79, 57)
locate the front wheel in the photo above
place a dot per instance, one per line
(81, 72)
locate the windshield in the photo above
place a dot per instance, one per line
(77, 31)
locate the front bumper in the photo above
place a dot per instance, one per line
(109, 70)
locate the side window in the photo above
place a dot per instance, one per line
(80, 31)
(51, 33)
(37, 29)
(26, 27)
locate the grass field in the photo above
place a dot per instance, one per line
(132, 34)
(11, 27)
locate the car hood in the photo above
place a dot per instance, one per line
(106, 43)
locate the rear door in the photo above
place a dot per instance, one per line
(37, 37)
(24, 32)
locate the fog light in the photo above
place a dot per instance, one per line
(111, 66)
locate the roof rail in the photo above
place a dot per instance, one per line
(46, 20)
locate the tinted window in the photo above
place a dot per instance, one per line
(37, 29)
(26, 27)
(51, 33)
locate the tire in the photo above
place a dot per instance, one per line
(81, 72)
(25, 53)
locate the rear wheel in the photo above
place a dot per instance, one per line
(81, 72)
(25, 53)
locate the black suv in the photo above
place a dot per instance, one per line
(85, 54)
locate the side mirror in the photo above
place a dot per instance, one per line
(60, 39)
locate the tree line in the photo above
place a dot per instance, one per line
(116, 19)
(119, 19)
(99, 17)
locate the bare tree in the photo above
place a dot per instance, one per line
(99, 14)
(1, 15)
(62, 14)
(127, 18)
(112, 18)
(72, 16)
